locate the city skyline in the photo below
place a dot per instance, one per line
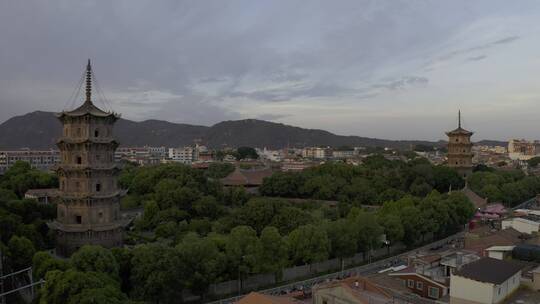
(393, 70)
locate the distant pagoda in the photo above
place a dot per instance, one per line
(460, 149)
(89, 203)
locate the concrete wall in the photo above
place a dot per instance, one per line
(521, 225)
(463, 290)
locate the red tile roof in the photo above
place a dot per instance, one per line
(241, 177)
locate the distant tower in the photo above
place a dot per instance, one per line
(460, 149)
(88, 208)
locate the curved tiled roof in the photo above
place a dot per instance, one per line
(87, 108)
(459, 131)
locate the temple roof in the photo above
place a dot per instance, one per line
(459, 131)
(86, 108)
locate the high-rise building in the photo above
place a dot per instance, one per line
(460, 149)
(89, 197)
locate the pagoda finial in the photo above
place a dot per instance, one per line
(88, 83)
(459, 118)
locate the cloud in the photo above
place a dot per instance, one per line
(465, 51)
(476, 58)
(403, 83)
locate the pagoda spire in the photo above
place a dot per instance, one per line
(88, 83)
(459, 118)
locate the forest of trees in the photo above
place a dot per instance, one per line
(376, 181)
(509, 187)
(195, 233)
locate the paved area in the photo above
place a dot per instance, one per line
(524, 296)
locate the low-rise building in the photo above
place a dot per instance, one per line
(296, 165)
(528, 224)
(185, 155)
(44, 196)
(251, 180)
(500, 252)
(39, 159)
(317, 152)
(485, 281)
(421, 284)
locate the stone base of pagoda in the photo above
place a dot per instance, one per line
(68, 242)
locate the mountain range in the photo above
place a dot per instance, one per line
(39, 130)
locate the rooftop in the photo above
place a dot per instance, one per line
(241, 177)
(489, 270)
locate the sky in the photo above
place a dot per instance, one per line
(387, 69)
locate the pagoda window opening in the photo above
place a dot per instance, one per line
(98, 187)
(78, 219)
(78, 131)
(96, 133)
(79, 160)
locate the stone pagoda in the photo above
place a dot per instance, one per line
(89, 201)
(460, 149)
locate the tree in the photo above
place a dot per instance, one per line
(43, 262)
(272, 255)
(412, 221)
(308, 244)
(246, 153)
(393, 228)
(241, 249)
(367, 228)
(219, 170)
(533, 162)
(289, 218)
(20, 252)
(154, 274)
(72, 286)
(95, 258)
(207, 206)
(201, 263)
(343, 238)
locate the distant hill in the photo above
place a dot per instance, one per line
(39, 130)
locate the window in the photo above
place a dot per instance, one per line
(77, 185)
(419, 285)
(78, 131)
(96, 133)
(499, 291)
(98, 187)
(97, 157)
(79, 160)
(433, 292)
(100, 214)
(78, 219)
(410, 283)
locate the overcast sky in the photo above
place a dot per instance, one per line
(387, 69)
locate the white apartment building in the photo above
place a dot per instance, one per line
(271, 155)
(185, 155)
(316, 152)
